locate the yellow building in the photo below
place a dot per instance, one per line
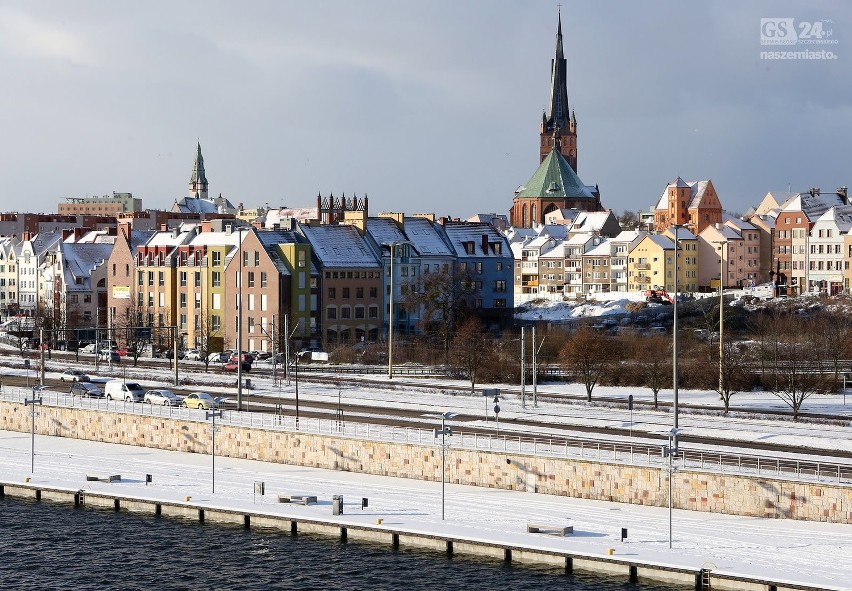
(651, 264)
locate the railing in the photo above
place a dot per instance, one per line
(625, 453)
(643, 266)
(642, 279)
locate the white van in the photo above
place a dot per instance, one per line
(121, 390)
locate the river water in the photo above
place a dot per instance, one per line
(47, 547)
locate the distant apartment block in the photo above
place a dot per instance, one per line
(107, 205)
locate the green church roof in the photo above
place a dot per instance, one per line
(555, 178)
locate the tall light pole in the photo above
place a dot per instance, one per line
(443, 432)
(240, 320)
(721, 244)
(32, 402)
(675, 327)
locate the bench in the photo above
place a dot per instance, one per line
(303, 499)
(100, 478)
(552, 530)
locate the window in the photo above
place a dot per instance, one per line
(500, 286)
(217, 279)
(500, 303)
(332, 293)
(150, 278)
(359, 293)
(345, 293)
(345, 312)
(263, 279)
(183, 278)
(256, 259)
(251, 324)
(161, 278)
(331, 313)
(198, 301)
(216, 323)
(499, 266)
(359, 312)
(197, 279)
(245, 258)
(183, 300)
(374, 292)
(373, 312)
(183, 321)
(141, 278)
(251, 278)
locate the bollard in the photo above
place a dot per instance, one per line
(187, 498)
(610, 551)
(27, 479)
(379, 521)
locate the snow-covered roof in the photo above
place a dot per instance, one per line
(385, 231)
(425, 237)
(340, 246)
(459, 233)
(602, 249)
(202, 205)
(840, 215)
(80, 259)
(171, 237)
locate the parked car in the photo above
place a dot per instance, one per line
(221, 357)
(90, 348)
(86, 390)
(121, 390)
(193, 355)
(162, 397)
(201, 400)
(73, 375)
(109, 355)
(231, 365)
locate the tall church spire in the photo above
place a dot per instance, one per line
(559, 116)
(198, 180)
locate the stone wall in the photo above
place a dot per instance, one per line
(693, 489)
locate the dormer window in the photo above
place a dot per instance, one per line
(553, 188)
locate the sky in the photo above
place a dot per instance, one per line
(423, 107)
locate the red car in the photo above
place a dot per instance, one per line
(232, 365)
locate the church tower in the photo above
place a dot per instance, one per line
(198, 180)
(560, 122)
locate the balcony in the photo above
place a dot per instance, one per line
(643, 266)
(642, 279)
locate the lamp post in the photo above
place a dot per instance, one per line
(207, 417)
(670, 451)
(443, 432)
(32, 402)
(240, 321)
(674, 327)
(721, 244)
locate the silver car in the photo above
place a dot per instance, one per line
(162, 398)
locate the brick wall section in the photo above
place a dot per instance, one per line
(693, 490)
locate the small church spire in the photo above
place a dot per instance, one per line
(198, 181)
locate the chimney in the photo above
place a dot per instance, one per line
(66, 232)
(485, 243)
(164, 227)
(25, 236)
(78, 233)
(126, 228)
(843, 193)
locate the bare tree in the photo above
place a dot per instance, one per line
(653, 359)
(795, 369)
(735, 373)
(441, 299)
(588, 355)
(209, 337)
(470, 348)
(128, 325)
(835, 331)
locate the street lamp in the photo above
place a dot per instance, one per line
(207, 417)
(32, 402)
(674, 327)
(721, 244)
(443, 432)
(240, 321)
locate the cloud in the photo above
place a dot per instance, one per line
(23, 36)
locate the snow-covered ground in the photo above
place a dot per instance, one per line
(816, 554)
(811, 553)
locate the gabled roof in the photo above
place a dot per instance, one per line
(812, 206)
(662, 241)
(841, 215)
(202, 205)
(340, 246)
(555, 178)
(385, 231)
(270, 239)
(602, 249)
(79, 260)
(697, 190)
(426, 238)
(459, 233)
